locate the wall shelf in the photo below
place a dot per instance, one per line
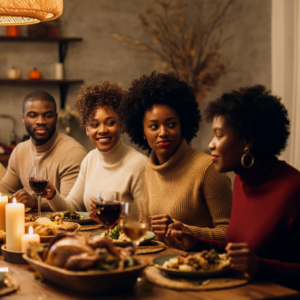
(39, 39)
(63, 85)
(39, 81)
(62, 51)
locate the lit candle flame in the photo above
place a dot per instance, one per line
(30, 230)
(4, 270)
(14, 201)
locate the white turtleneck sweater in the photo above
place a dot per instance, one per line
(119, 170)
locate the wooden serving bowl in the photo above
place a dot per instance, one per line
(90, 282)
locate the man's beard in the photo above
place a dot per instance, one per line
(43, 140)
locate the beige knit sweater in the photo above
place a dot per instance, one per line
(189, 189)
(62, 155)
(119, 170)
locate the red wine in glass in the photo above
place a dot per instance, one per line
(108, 213)
(38, 181)
(38, 186)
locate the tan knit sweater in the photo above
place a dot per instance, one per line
(62, 155)
(190, 190)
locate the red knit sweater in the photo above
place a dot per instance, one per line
(266, 216)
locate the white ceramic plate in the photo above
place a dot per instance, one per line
(84, 214)
(159, 261)
(149, 236)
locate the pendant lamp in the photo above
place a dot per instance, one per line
(25, 12)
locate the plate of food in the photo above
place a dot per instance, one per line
(118, 237)
(85, 264)
(204, 264)
(47, 230)
(70, 215)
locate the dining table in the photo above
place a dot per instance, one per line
(32, 288)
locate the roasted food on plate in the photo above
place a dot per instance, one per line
(65, 215)
(79, 252)
(30, 218)
(50, 228)
(204, 261)
(117, 235)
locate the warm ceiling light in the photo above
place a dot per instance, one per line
(25, 12)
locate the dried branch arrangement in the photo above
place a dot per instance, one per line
(190, 47)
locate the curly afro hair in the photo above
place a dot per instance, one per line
(93, 96)
(159, 88)
(256, 116)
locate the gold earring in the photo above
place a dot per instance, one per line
(144, 137)
(243, 158)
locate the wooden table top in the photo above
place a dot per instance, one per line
(32, 289)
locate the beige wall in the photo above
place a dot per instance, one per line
(101, 57)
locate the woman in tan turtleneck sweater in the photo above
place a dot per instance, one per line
(161, 114)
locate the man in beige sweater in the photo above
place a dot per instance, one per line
(2, 171)
(47, 147)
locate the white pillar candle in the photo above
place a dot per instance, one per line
(15, 225)
(31, 237)
(3, 202)
(59, 71)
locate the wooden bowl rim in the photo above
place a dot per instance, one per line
(142, 264)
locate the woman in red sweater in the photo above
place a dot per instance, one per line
(250, 128)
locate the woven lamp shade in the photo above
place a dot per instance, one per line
(25, 12)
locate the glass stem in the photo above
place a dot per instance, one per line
(39, 206)
(135, 245)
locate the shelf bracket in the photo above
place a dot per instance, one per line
(63, 88)
(63, 46)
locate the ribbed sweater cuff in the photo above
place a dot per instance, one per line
(56, 202)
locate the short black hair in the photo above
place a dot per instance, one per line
(159, 88)
(256, 116)
(39, 95)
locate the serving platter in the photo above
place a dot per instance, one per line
(47, 238)
(149, 237)
(12, 287)
(159, 261)
(90, 282)
(84, 214)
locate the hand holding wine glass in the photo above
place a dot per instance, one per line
(38, 181)
(135, 222)
(108, 209)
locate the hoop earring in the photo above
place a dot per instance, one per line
(144, 137)
(243, 158)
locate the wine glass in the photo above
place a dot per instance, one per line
(135, 222)
(38, 181)
(108, 209)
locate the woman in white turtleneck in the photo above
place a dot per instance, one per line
(112, 166)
